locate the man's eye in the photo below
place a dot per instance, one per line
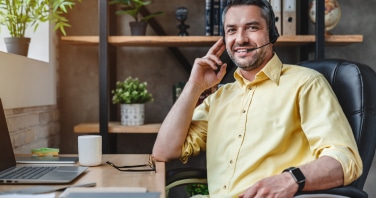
(230, 31)
(253, 28)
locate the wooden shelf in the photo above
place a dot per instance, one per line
(186, 41)
(116, 127)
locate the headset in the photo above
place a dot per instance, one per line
(273, 31)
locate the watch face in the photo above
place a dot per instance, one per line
(298, 175)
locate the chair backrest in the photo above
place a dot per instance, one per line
(354, 85)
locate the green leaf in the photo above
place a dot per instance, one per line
(131, 91)
(132, 8)
(17, 15)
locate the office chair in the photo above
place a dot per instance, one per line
(354, 85)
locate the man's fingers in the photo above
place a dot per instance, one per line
(218, 48)
(222, 71)
(213, 61)
(209, 63)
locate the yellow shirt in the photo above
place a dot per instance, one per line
(287, 116)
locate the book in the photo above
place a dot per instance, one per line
(222, 5)
(216, 17)
(208, 18)
(289, 17)
(277, 8)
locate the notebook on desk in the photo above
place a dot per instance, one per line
(11, 173)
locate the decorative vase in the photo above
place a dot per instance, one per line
(138, 28)
(132, 114)
(17, 45)
(332, 13)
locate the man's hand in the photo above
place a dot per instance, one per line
(204, 69)
(323, 173)
(282, 185)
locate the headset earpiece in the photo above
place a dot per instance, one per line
(223, 35)
(273, 31)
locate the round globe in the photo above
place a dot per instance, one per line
(332, 13)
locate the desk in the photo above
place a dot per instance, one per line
(107, 176)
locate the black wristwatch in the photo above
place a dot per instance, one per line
(297, 175)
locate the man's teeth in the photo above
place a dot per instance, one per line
(242, 50)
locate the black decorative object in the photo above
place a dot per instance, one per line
(181, 15)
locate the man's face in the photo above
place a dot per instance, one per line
(246, 29)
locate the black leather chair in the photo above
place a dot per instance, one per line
(355, 87)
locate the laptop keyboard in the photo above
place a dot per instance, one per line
(27, 172)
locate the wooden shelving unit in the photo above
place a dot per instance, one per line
(178, 41)
(116, 127)
(103, 40)
(186, 41)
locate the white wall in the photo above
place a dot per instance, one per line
(26, 82)
(39, 44)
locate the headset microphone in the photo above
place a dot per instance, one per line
(252, 49)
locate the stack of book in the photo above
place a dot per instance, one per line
(285, 16)
(213, 18)
(286, 19)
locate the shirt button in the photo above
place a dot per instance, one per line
(243, 111)
(231, 162)
(224, 187)
(240, 136)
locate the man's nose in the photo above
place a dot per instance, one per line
(242, 37)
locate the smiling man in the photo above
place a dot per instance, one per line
(278, 129)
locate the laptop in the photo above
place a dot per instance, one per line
(11, 173)
(46, 160)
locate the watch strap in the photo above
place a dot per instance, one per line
(298, 176)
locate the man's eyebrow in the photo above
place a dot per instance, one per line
(230, 26)
(247, 24)
(253, 23)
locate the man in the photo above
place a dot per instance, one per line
(278, 129)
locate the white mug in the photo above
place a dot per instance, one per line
(90, 150)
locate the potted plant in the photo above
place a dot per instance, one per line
(132, 95)
(132, 8)
(18, 15)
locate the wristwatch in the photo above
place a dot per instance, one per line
(297, 175)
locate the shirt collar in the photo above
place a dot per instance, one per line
(272, 71)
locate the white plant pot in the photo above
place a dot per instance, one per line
(132, 114)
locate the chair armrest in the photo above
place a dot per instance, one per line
(184, 173)
(176, 177)
(182, 176)
(346, 191)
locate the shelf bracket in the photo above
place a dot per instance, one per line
(174, 50)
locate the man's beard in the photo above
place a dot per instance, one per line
(256, 61)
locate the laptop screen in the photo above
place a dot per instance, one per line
(7, 158)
